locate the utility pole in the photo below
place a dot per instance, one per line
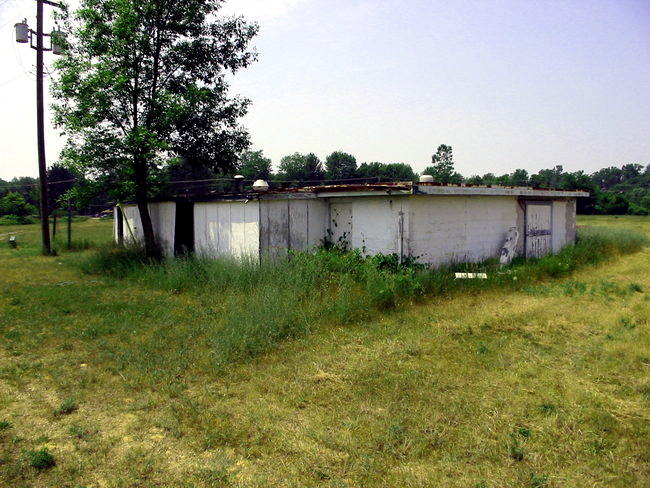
(23, 34)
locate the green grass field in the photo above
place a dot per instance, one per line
(113, 382)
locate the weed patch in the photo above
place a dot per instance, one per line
(41, 459)
(268, 302)
(67, 407)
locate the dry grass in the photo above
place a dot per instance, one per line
(546, 387)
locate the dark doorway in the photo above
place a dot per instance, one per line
(184, 232)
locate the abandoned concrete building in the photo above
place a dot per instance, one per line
(436, 224)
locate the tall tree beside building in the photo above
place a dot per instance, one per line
(142, 83)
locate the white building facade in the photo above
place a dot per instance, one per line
(432, 223)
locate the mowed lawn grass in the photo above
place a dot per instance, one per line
(544, 387)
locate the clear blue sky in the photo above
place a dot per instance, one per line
(507, 83)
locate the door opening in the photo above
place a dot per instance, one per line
(184, 230)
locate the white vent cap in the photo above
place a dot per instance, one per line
(260, 185)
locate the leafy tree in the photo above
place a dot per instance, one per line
(606, 178)
(301, 167)
(60, 180)
(26, 186)
(548, 178)
(183, 175)
(519, 177)
(340, 165)
(13, 203)
(442, 166)
(253, 165)
(143, 82)
(474, 180)
(631, 170)
(611, 204)
(393, 171)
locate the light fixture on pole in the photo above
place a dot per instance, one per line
(23, 35)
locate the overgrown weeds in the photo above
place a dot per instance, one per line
(266, 302)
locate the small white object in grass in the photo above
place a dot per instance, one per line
(481, 276)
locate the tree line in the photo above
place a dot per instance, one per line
(614, 190)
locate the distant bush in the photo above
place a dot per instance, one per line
(16, 220)
(265, 303)
(14, 203)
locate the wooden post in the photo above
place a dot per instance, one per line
(69, 225)
(40, 130)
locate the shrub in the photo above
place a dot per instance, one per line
(14, 203)
(41, 459)
(67, 407)
(16, 220)
(115, 261)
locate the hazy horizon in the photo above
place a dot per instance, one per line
(508, 84)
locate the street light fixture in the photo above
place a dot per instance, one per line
(23, 35)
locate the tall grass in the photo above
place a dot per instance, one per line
(265, 303)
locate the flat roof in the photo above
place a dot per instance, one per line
(377, 189)
(433, 189)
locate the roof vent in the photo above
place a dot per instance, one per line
(426, 179)
(260, 185)
(239, 179)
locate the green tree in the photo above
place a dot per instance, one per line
(630, 171)
(253, 165)
(13, 203)
(548, 178)
(143, 82)
(392, 171)
(60, 180)
(340, 166)
(442, 166)
(606, 178)
(301, 167)
(519, 177)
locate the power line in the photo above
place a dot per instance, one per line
(207, 180)
(20, 61)
(13, 79)
(24, 12)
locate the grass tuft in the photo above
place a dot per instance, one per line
(41, 459)
(67, 407)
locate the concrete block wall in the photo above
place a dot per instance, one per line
(227, 228)
(291, 224)
(370, 224)
(438, 229)
(163, 219)
(558, 223)
(447, 229)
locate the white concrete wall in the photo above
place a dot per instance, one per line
(226, 228)
(163, 219)
(297, 224)
(558, 225)
(370, 224)
(446, 229)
